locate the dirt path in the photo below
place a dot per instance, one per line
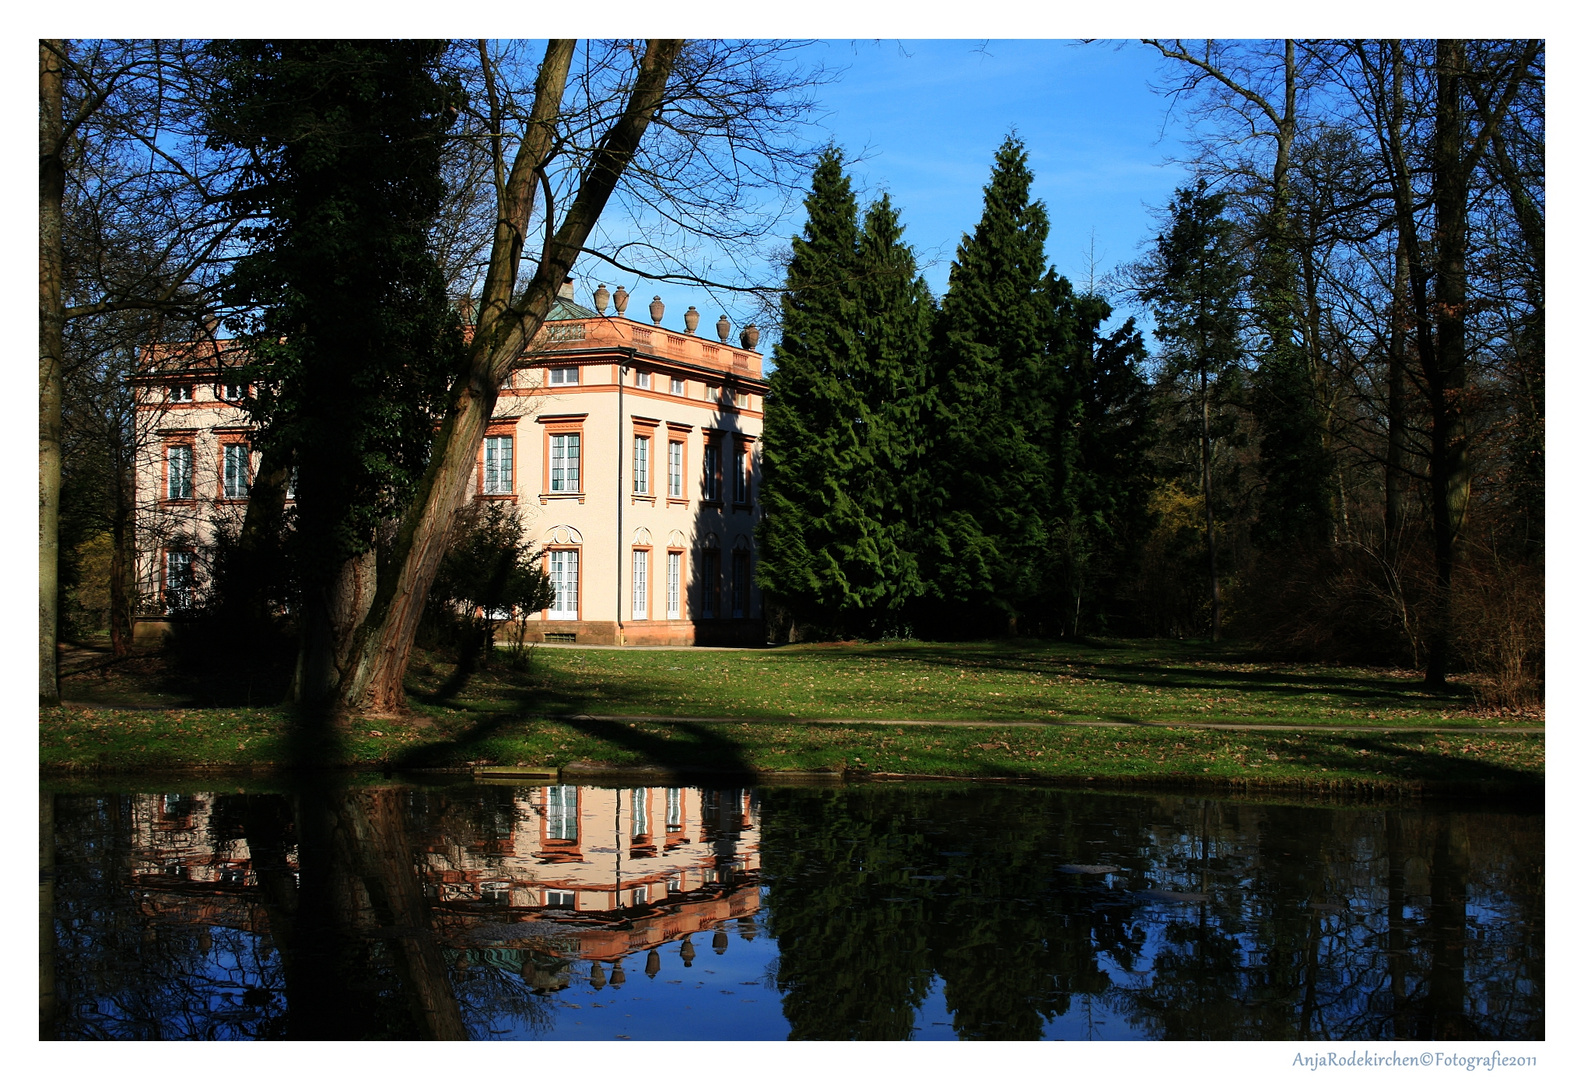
(1340, 729)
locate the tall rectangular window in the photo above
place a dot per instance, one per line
(640, 811)
(178, 471)
(740, 475)
(235, 483)
(709, 579)
(712, 471)
(640, 464)
(563, 376)
(640, 585)
(564, 580)
(643, 380)
(678, 387)
(739, 585)
(673, 809)
(561, 812)
(179, 580)
(564, 454)
(674, 470)
(498, 465)
(673, 584)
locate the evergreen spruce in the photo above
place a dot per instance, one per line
(1193, 282)
(1106, 438)
(995, 414)
(809, 539)
(841, 419)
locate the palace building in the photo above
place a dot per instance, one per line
(629, 451)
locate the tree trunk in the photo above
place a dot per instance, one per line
(123, 556)
(52, 190)
(333, 613)
(372, 681)
(1210, 544)
(1447, 377)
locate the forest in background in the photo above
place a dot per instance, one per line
(1331, 445)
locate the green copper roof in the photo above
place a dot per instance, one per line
(566, 309)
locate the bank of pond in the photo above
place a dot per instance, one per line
(518, 909)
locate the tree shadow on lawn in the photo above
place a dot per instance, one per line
(693, 748)
(1416, 763)
(1179, 672)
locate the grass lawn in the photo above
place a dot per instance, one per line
(1124, 682)
(525, 718)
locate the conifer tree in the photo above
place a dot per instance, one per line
(805, 537)
(1104, 442)
(995, 413)
(1192, 282)
(841, 430)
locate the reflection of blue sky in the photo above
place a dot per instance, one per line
(721, 996)
(925, 120)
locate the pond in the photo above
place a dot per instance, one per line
(874, 911)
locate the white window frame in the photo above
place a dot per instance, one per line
(712, 393)
(235, 481)
(182, 392)
(739, 588)
(712, 470)
(640, 584)
(640, 811)
(233, 391)
(640, 464)
(561, 812)
(640, 895)
(179, 565)
(673, 584)
(560, 898)
(678, 386)
(740, 476)
(178, 471)
(709, 582)
(564, 580)
(643, 379)
(566, 451)
(674, 454)
(673, 810)
(498, 455)
(563, 376)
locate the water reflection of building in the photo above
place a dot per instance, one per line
(608, 871)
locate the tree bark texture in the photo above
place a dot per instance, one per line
(372, 682)
(1447, 377)
(52, 189)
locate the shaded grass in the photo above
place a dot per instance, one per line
(77, 739)
(502, 716)
(1131, 682)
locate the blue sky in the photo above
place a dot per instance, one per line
(924, 120)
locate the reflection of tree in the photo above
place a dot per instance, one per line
(1355, 923)
(846, 912)
(1351, 924)
(876, 891)
(121, 972)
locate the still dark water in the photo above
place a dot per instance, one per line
(869, 912)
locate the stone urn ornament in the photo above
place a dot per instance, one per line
(621, 300)
(601, 299)
(656, 310)
(750, 337)
(723, 328)
(690, 318)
